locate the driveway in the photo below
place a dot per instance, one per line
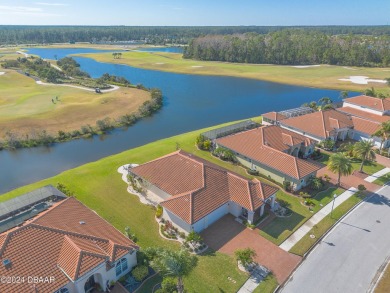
(349, 257)
(227, 235)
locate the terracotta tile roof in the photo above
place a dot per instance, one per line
(320, 124)
(275, 116)
(364, 114)
(53, 244)
(269, 151)
(219, 186)
(175, 175)
(370, 102)
(365, 126)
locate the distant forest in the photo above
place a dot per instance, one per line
(155, 35)
(293, 47)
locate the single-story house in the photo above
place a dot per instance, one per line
(196, 193)
(274, 152)
(321, 125)
(376, 106)
(272, 118)
(66, 249)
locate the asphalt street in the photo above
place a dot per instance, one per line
(349, 257)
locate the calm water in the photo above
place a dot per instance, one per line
(190, 102)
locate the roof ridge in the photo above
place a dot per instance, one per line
(323, 122)
(44, 213)
(10, 234)
(250, 196)
(296, 166)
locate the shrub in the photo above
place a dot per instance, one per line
(182, 235)
(286, 185)
(159, 211)
(169, 285)
(309, 202)
(361, 187)
(253, 172)
(140, 272)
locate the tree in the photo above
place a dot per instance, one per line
(347, 148)
(370, 92)
(363, 150)
(383, 132)
(388, 81)
(178, 263)
(245, 256)
(344, 94)
(340, 164)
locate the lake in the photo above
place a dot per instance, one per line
(190, 102)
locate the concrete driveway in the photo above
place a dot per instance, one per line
(227, 235)
(349, 257)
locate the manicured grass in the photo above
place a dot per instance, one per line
(268, 285)
(26, 107)
(323, 226)
(369, 167)
(383, 179)
(100, 187)
(324, 197)
(325, 76)
(384, 283)
(281, 228)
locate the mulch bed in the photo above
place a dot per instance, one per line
(360, 175)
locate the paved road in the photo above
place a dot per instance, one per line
(349, 257)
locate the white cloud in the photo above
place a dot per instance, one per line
(23, 10)
(50, 4)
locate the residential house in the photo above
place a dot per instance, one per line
(274, 152)
(195, 193)
(67, 248)
(321, 125)
(367, 113)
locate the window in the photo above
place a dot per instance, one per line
(121, 266)
(62, 290)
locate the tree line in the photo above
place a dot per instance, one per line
(154, 34)
(293, 47)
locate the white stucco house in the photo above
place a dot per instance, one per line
(195, 193)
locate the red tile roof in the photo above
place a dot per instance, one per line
(364, 114)
(219, 186)
(370, 102)
(365, 126)
(275, 116)
(266, 145)
(320, 124)
(56, 244)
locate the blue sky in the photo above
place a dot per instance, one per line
(198, 12)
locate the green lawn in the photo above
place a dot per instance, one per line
(100, 187)
(323, 226)
(324, 197)
(325, 76)
(369, 167)
(383, 179)
(268, 285)
(148, 286)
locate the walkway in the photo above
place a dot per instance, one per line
(257, 275)
(315, 219)
(227, 235)
(378, 174)
(383, 160)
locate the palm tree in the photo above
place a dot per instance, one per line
(178, 263)
(348, 148)
(344, 94)
(363, 150)
(340, 164)
(383, 133)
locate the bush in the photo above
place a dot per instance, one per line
(286, 185)
(361, 187)
(253, 172)
(182, 235)
(169, 285)
(140, 272)
(245, 256)
(159, 211)
(309, 202)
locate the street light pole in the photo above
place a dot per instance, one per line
(331, 212)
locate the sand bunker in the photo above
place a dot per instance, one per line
(197, 66)
(1, 72)
(345, 67)
(361, 80)
(306, 66)
(159, 63)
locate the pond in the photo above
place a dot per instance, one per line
(190, 102)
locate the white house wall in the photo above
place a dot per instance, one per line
(157, 191)
(235, 209)
(368, 110)
(105, 275)
(177, 221)
(211, 218)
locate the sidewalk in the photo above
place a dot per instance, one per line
(315, 219)
(378, 174)
(258, 275)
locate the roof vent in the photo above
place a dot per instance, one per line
(6, 262)
(81, 222)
